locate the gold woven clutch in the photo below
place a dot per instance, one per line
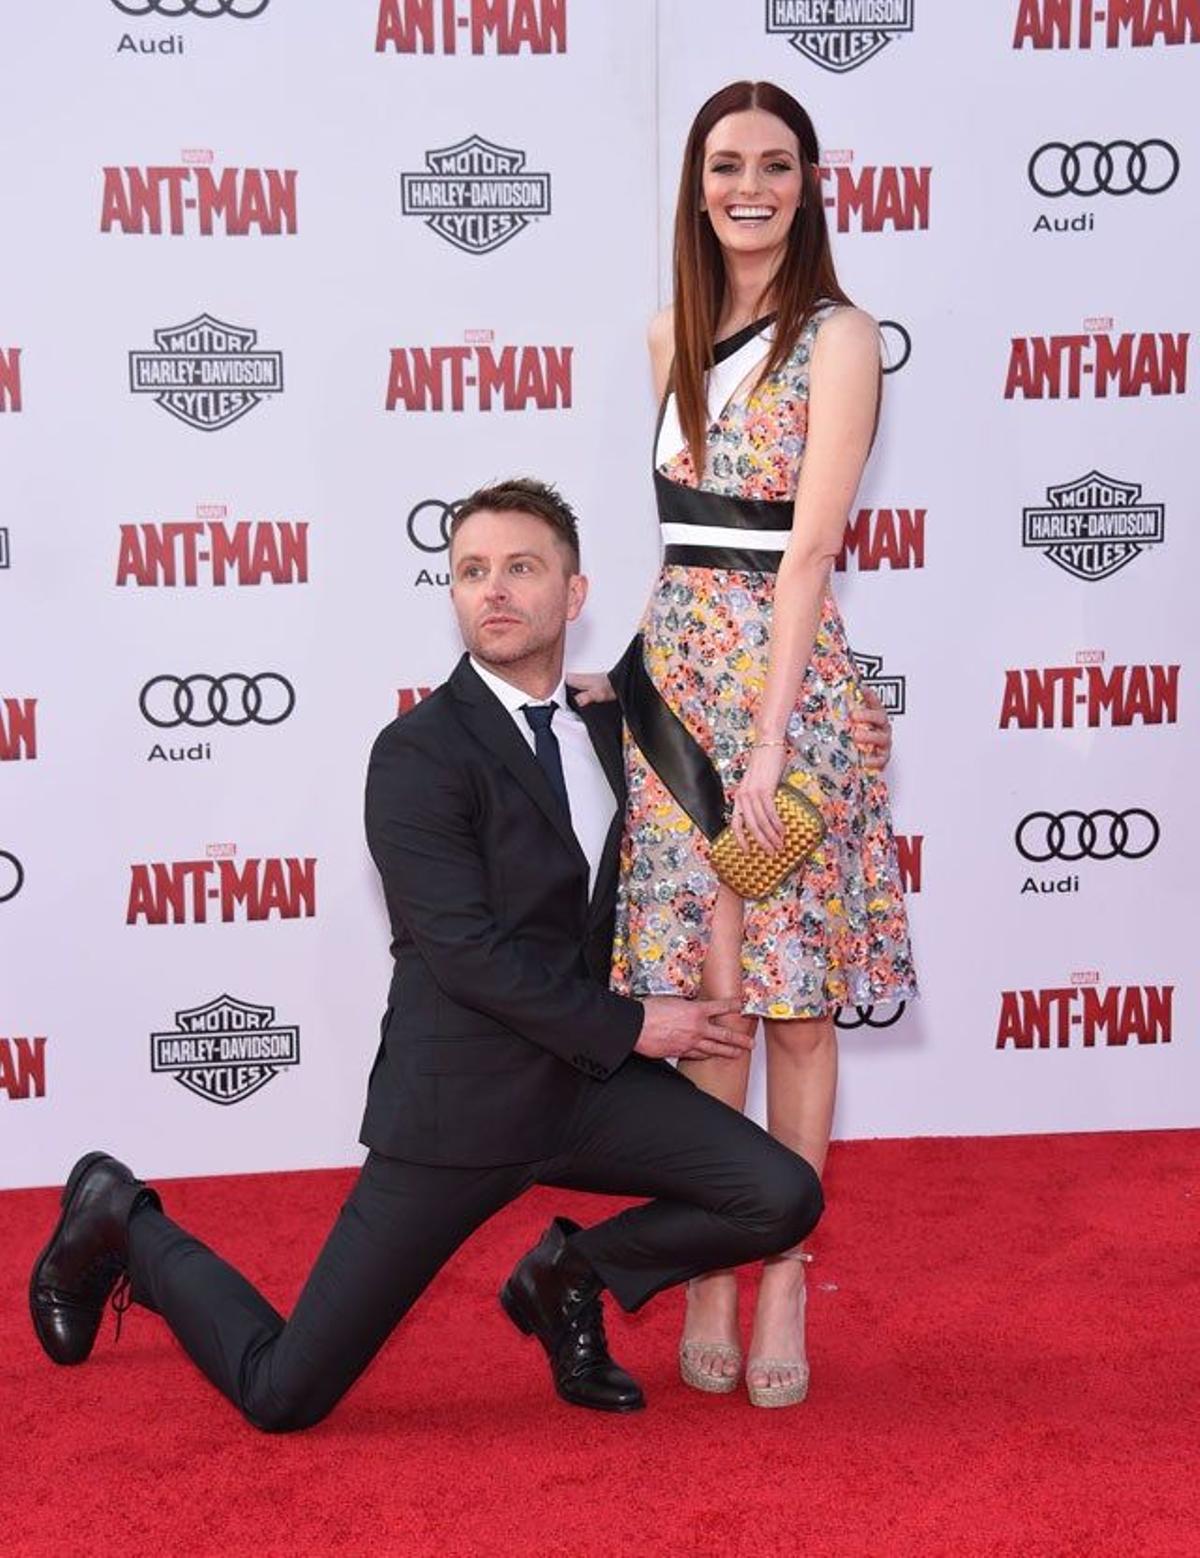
(752, 872)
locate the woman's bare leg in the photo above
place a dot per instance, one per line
(712, 1307)
(722, 981)
(802, 1063)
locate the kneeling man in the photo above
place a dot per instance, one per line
(494, 816)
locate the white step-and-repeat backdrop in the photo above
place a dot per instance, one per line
(280, 280)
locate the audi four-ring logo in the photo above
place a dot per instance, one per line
(868, 1016)
(429, 524)
(1080, 835)
(12, 876)
(897, 345)
(233, 699)
(1089, 168)
(244, 9)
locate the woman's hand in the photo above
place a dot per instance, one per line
(590, 687)
(754, 814)
(872, 731)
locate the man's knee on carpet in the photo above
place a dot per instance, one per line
(784, 1203)
(289, 1419)
(273, 1413)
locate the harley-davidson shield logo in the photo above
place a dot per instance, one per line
(206, 373)
(840, 35)
(475, 195)
(1095, 525)
(889, 689)
(225, 1050)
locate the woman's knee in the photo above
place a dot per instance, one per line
(802, 1037)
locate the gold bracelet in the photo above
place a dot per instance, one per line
(758, 744)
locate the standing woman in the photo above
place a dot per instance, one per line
(770, 382)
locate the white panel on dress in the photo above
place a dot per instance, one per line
(722, 383)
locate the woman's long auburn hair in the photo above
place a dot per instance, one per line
(804, 277)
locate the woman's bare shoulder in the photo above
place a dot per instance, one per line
(848, 334)
(660, 333)
(660, 337)
(849, 325)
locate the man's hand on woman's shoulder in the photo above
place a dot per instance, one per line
(590, 687)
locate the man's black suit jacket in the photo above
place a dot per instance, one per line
(499, 1013)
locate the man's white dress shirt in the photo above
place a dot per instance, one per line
(593, 803)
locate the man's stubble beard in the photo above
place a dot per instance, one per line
(535, 649)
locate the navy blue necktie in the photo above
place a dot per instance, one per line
(546, 750)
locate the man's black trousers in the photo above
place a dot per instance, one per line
(725, 1193)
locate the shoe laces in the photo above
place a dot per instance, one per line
(121, 1299)
(586, 1325)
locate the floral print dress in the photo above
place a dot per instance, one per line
(835, 933)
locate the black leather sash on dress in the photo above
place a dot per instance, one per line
(680, 505)
(735, 559)
(666, 743)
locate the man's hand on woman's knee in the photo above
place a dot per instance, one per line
(675, 1029)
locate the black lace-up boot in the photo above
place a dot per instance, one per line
(554, 1294)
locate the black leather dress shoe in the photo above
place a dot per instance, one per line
(554, 1295)
(87, 1253)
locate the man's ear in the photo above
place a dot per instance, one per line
(577, 591)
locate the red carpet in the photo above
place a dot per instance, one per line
(1005, 1338)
